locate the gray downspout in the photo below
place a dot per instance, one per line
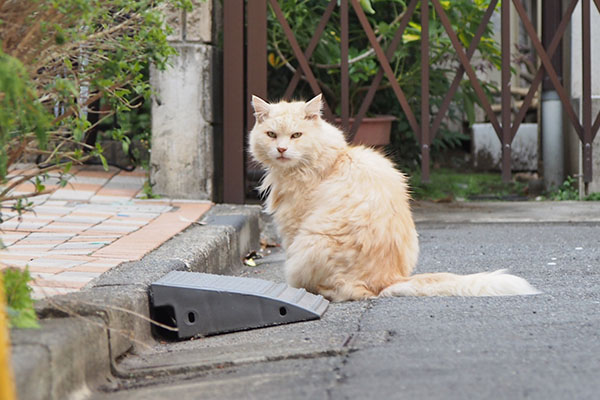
(552, 123)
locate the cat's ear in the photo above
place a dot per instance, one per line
(261, 108)
(313, 107)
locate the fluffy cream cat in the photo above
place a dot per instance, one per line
(343, 213)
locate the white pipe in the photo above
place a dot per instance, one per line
(552, 139)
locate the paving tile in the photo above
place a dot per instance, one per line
(71, 251)
(90, 180)
(122, 180)
(75, 276)
(128, 192)
(51, 236)
(80, 245)
(20, 253)
(119, 221)
(85, 187)
(12, 236)
(98, 214)
(44, 292)
(46, 282)
(91, 240)
(73, 195)
(6, 215)
(97, 171)
(66, 227)
(9, 262)
(54, 262)
(6, 254)
(22, 225)
(45, 270)
(80, 219)
(32, 246)
(115, 226)
(149, 237)
(56, 203)
(138, 172)
(53, 209)
(110, 199)
(91, 268)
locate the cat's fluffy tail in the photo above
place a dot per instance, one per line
(497, 283)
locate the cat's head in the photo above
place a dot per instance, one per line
(291, 134)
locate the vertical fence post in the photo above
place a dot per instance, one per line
(256, 56)
(506, 96)
(586, 60)
(425, 140)
(233, 101)
(345, 75)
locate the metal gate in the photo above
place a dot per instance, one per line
(245, 74)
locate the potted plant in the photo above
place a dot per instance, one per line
(384, 17)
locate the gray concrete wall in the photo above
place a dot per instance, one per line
(487, 150)
(186, 107)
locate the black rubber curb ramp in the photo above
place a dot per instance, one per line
(206, 304)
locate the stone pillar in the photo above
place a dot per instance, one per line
(186, 106)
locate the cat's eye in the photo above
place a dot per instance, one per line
(272, 135)
(296, 135)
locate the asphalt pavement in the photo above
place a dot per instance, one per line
(545, 346)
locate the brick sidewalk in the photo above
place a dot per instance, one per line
(91, 225)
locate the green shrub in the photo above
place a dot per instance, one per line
(384, 16)
(18, 298)
(57, 58)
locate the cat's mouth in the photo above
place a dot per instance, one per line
(283, 158)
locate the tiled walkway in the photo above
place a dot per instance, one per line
(96, 222)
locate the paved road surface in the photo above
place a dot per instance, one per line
(531, 347)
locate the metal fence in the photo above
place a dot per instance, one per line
(245, 73)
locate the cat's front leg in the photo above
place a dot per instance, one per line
(318, 277)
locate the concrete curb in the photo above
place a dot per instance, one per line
(83, 333)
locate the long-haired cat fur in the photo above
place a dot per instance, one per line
(344, 215)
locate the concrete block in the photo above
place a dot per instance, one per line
(174, 19)
(199, 21)
(64, 357)
(487, 152)
(182, 158)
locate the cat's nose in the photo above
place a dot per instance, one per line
(282, 149)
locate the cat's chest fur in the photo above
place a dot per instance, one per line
(290, 203)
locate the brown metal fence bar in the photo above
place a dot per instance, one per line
(485, 104)
(311, 48)
(540, 72)
(256, 55)
(461, 70)
(345, 79)
(505, 87)
(375, 83)
(547, 63)
(233, 101)
(587, 91)
(425, 140)
(596, 125)
(385, 65)
(312, 81)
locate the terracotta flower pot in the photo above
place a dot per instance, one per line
(372, 131)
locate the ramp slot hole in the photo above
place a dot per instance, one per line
(191, 316)
(282, 311)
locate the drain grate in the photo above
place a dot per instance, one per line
(206, 304)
